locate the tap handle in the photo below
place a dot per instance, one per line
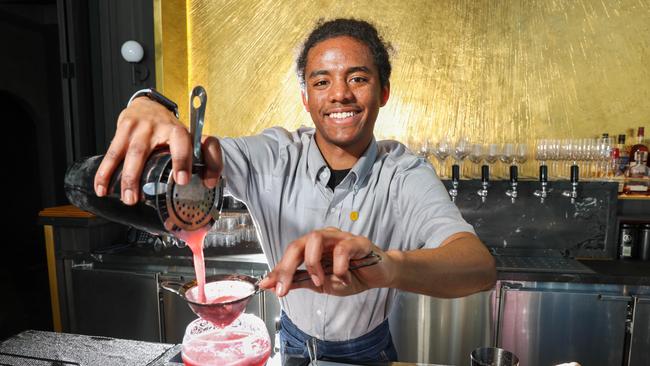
(514, 174)
(485, 173)
(543, 173)
(455, 173)
(575, 173)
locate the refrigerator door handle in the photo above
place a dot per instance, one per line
(614, 298)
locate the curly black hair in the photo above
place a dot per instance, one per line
(358, 29)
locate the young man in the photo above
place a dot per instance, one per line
(332, 193)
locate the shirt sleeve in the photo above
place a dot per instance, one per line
(429, 215)
(248, 162)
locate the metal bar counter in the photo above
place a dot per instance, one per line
(38, 348)
(620, 272)
(612, 272)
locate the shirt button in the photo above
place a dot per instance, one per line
(318, 312)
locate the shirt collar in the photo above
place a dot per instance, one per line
(316, 163)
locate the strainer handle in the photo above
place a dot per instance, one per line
(172, 286)
(197, 115)
(369, 260)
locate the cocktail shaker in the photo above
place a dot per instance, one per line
(163, 207)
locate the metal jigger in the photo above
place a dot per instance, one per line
(514, 177)
(485, 182)
(455, 182)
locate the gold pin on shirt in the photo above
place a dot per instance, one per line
(354, 215)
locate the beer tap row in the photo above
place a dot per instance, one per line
(543, 193)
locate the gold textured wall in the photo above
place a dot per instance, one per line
(493, 71)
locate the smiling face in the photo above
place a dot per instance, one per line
(343, 94)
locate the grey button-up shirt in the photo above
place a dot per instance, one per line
(401, 204)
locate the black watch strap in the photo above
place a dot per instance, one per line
(154, 95)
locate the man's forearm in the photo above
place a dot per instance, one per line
(460, 267)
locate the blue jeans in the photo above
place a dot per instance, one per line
(376, 345)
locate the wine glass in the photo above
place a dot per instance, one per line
(605, 147)
(507, 156)
(461, 151)
(492, 154)
(542, 148)
(441, 152)
(565, 157)
(424, 150)
(541, 151)
(521, 153)
(476, 156)
(554, 155)
(591, 155)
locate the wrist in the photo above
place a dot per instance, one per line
(395, 260)
(155, 96)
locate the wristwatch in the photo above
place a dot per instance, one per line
(154, 95)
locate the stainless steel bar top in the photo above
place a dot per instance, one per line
(305, 362)
(36, 348)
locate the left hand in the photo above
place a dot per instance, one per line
(339, 247)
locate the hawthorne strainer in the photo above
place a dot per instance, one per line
(190, 206)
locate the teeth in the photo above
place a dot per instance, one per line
(341, 115)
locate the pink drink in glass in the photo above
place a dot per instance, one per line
(243, 343)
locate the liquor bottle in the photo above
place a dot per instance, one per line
(623, 156)
(637, 176)
(639, 146)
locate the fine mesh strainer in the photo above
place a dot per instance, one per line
(241, 288)
(163, 207)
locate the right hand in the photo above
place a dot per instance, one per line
(143, 127)
(337, 247)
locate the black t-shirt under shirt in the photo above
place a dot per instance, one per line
(336, 177)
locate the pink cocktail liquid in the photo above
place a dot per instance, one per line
(194, 240)
(222, 299)
(227, 348)
(212, 345)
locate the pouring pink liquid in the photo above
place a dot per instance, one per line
(217, 294)
(194, 240)
(245, 344)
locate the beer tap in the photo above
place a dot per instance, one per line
(485, 180)
(455, 182)
(512, 192)
(543, 180)
(573, 193)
